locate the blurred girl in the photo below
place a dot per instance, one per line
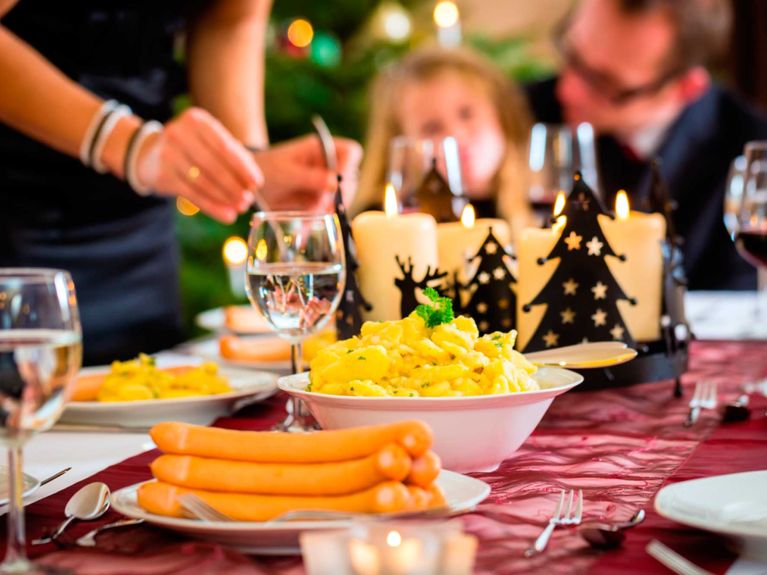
(434, 93)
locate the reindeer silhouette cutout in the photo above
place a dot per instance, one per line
(407, 284)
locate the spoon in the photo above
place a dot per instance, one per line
(90, 502)
(584, 355)
(609, 535)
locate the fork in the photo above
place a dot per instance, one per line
(562, 516)
(673, 560)
(704, 397)
(202, 509)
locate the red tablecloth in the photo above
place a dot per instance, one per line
(620, 446)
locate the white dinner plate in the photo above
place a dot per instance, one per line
(734, 505)
(209, 350)
(30, 484)
(215, 320)
(249, 386)
(264, 538)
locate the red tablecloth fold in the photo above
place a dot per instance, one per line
(620, 446)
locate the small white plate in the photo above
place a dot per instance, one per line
(249, 386)
(209, 350)
(263, 538)
(734, 505)
(215, 320)
(30, 484)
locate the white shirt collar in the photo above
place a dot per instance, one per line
(647, 141)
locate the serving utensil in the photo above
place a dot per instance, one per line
(609, 535)
(326, 141)
(89, 539)
(673, 560)
(570, 515)
(584, 355)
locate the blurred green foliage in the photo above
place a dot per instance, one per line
(298, 87)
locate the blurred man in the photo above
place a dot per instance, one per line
(634, 69)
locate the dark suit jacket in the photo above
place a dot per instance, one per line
(696, 156)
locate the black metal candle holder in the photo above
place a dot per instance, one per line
(665, 358)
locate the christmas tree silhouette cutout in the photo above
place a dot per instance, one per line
(349, 312)
(492, 302)
(582, 295)
(435, 197)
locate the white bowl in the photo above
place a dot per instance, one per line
(470, 433)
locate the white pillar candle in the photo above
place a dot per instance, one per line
(459, 241)
(235, 252)
(381, 238)
(638, 236)
(533, 244)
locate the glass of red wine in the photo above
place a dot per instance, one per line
(751, 232)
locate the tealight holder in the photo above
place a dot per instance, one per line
(387, 548)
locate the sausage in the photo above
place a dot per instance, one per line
(424, 470)
(279, 447)
(243, 349)
(391, 462)
(162, 499)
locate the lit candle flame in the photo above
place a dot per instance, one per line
(393, 539)
(446, 14)
(390, 201)
(622, 205)
(559, 224)
(559, 204)
(235, 251)
(468, 216)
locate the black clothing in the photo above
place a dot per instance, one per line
(120, 247)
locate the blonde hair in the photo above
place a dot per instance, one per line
(510, 182)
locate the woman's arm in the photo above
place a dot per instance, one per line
(226, 66)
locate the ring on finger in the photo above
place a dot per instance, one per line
(193, 173)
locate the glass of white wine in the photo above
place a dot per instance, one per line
(40, 354)
(295, 278)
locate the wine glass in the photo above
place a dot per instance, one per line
(411, 159)
(40, 353)
(751, 231)
(556, 152)
(733, 194)
(295, 277)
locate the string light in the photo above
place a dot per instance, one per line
(446, 14)
(300, 33)
(185, 207)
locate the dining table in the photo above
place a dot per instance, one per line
(619, 445)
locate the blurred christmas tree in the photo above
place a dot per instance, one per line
(320, 59)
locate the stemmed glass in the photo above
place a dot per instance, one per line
(40, 353)
(751, 232)
(555, 153)
(295, 277)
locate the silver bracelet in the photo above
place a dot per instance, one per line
(131, 155)
(93, 127)
(102, 135)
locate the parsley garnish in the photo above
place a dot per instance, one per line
(439, 311)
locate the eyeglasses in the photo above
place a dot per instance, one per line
(606, 86)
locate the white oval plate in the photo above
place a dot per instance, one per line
(209, 350)
(215, 320)
(264, 538)
(30, 484)
(734, 505)
(249, 386)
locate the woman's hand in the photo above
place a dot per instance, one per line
(296, 177)
(197, 158)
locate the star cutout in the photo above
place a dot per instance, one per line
(482, 307)
(568, 316)
(550, 338)
(499, 273)
(595, 247)
(570, 287)
(582, 202)
(600, 291)
(503, 303)
(600, 318)
(617, 332)
(573, 241)
(483, 325)
(491, 248)
(506, 322)
(484, 278)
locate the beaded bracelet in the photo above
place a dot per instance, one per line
(95, 125)
(102, 135)
(131, 155)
